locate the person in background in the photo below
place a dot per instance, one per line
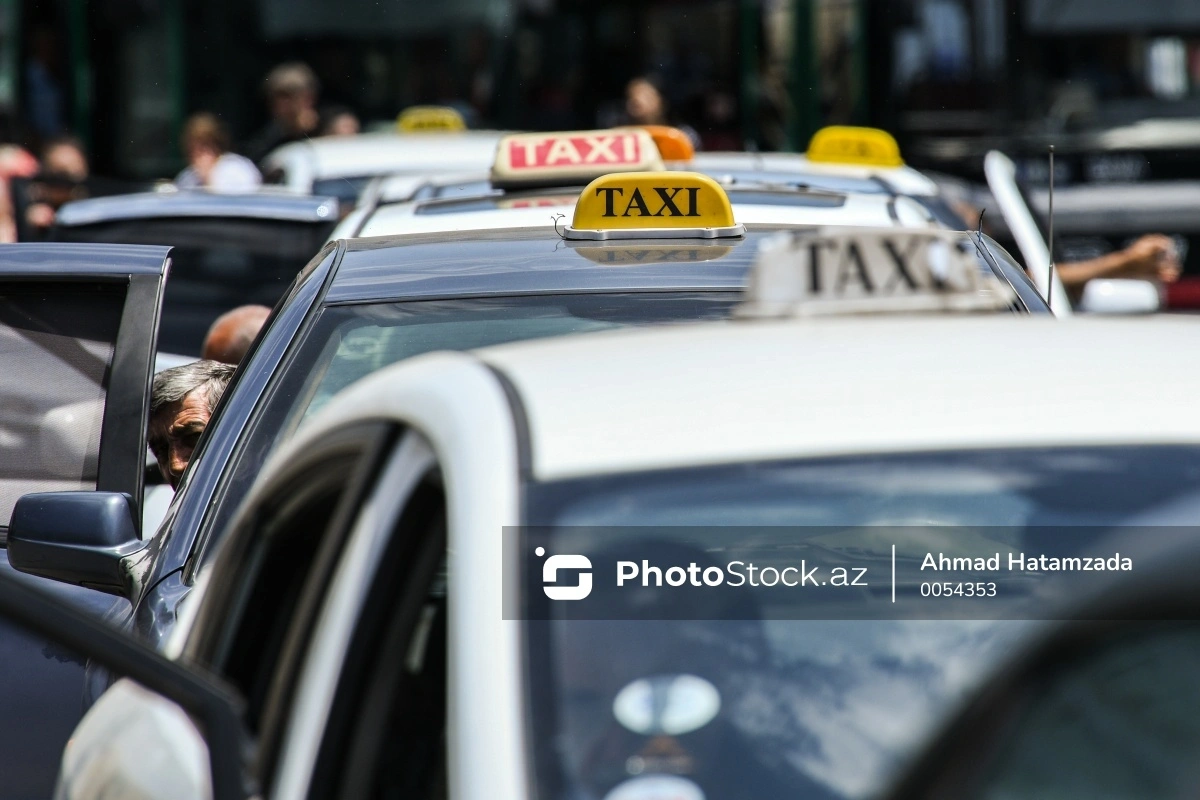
(61, 179)
(645, 105)
(232, 334)
(340, 121)
(15, 163)
(182, 400)
(210, 164)
(291, 91)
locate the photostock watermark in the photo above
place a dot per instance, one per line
(877, 572)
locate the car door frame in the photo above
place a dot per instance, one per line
(462, 410)
(143, 269)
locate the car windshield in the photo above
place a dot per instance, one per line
(345, 189)
(759, 696)
(355, 341)
(350, 342)
(216, 265)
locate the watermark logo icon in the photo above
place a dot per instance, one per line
(565, 562)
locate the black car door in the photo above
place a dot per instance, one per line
(78, 327)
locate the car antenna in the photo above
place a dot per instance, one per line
(1050, 267)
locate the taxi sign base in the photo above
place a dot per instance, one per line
(584, 234)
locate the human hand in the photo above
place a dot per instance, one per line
(1153, 256)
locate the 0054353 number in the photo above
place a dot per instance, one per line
(948, 589)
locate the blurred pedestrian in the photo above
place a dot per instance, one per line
(64, 157)
(182, 400)
(340, 121)
(645, 105)
(16, 163)
(210, 164)
(291, 91)
(231, 335)
(61, 178)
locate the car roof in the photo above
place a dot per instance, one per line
(150, 205)
(533, 261)
(731, 392)
(904, 180)
(117, 260)
(371, 154)
(536, 260)
(751, 205)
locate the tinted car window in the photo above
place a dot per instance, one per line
(217, 264)
(57, 348)
(825, 707)
(351, 342)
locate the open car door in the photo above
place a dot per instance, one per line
(78, 329)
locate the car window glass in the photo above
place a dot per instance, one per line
(56, 351)
(271, 577)
(350, 342)
(803, 691)
(216, 264)
(387, 731)
(1125, 718)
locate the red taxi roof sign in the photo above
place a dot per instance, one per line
(653, 205)
(869, 270)
(572, 157)
(847, 144)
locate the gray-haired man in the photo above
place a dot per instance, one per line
(181, 401)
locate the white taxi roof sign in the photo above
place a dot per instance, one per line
(869, 270)
(531, 159)
(653, 205)
(416, 119)
(848, 144)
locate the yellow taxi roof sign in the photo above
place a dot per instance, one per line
(571, 157)
(416, 119)
(653, 205)
(672, 143)
(845, 144)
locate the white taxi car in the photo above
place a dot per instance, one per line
(518, 572)
(341, 166)
(536, 178)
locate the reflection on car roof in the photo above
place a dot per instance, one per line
(150, 205)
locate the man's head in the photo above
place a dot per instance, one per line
(63, 157)
(232, 334)
(181, 403)
(292, 93)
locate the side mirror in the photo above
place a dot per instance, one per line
(84, 538)
(177, 712)
(1101, 706)
(1120, 296)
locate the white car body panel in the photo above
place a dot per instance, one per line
(847, 386)
(866, 210)
(370, 154)
(460, 408)
(904, 180)
(1002, 180)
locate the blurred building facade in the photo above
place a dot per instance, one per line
(124, 74)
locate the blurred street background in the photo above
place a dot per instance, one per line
(945, 76)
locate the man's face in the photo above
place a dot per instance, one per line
(173, 434)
